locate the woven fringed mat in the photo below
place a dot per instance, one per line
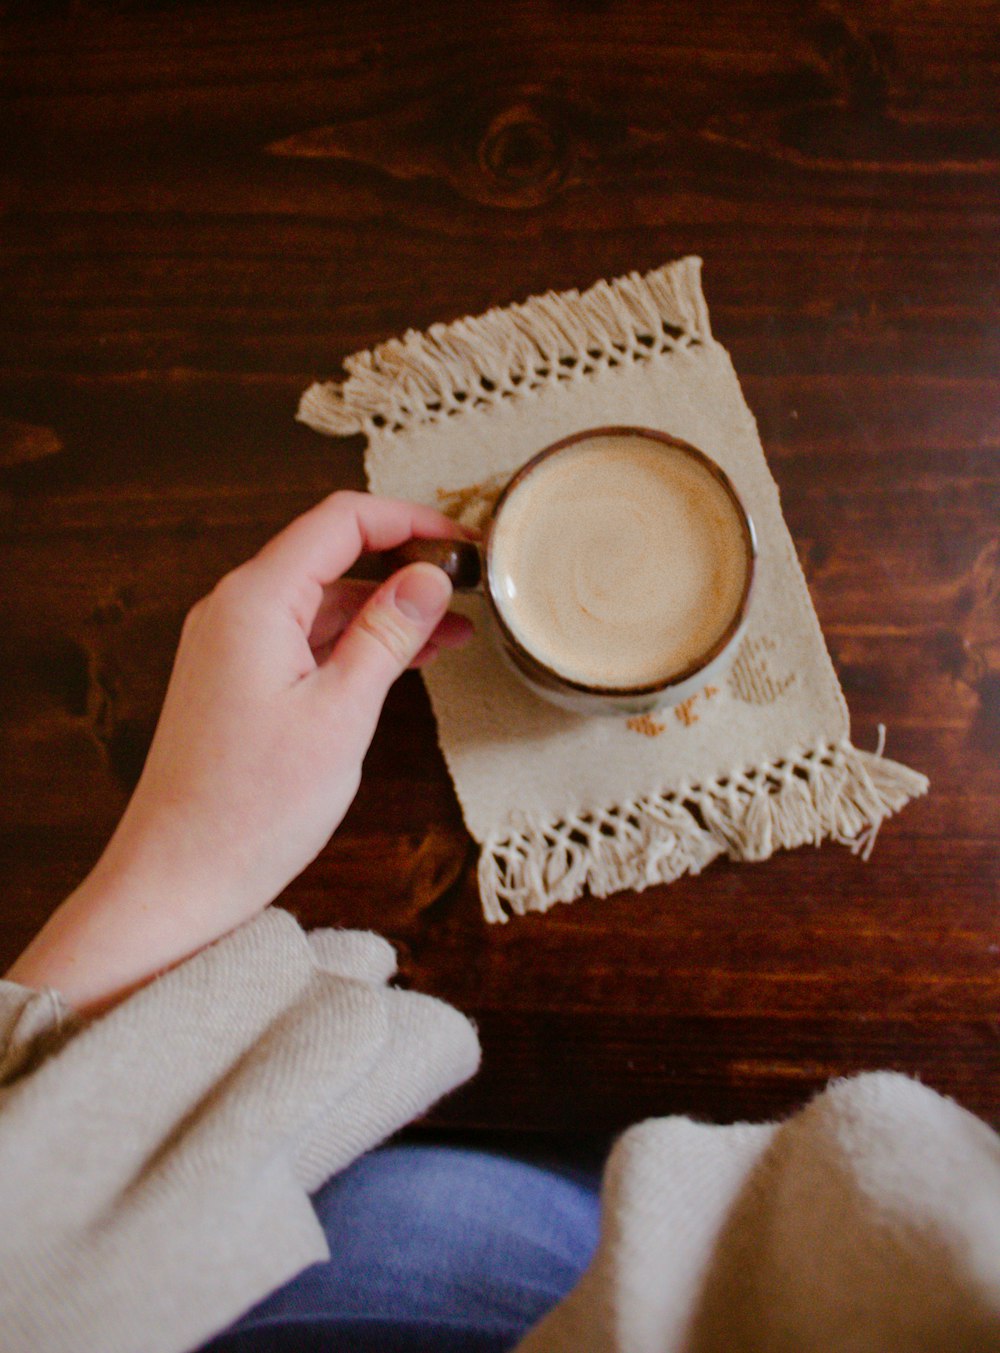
(561, 804)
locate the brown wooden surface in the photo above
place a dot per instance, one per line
(208, 205)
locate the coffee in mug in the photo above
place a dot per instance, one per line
(617, 565)
(620, 561)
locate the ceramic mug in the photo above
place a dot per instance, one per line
(574, 513)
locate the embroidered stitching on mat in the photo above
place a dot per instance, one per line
(511, 352)
(750, 678)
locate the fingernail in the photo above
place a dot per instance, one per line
(423, 592)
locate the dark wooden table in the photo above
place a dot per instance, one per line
(208, 205)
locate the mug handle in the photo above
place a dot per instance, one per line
(462, 560)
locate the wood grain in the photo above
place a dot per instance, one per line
(207, 205)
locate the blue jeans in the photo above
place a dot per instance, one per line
(432, 1248)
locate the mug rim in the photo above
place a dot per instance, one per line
(549, 675)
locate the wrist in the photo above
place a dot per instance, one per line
(129, 920)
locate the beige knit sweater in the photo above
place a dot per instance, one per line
(181, 1134)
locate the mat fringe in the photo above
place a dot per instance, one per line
(831, 791)
(508, 353)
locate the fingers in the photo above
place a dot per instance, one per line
(453, 631)
(426, 655)
(388, 633)
(342, 601)
(323, 543)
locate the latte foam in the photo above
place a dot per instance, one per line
(619, 561)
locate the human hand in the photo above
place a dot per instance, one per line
(277, 687)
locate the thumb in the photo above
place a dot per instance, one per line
(387, 634)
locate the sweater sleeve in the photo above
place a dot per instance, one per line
(868, 1221)
(154, 1163)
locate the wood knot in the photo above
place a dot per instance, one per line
(521, 157)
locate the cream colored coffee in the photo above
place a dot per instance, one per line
(619, 562)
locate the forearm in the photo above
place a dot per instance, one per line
(277, 686)
(128, 921)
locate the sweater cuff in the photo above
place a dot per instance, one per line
(32, 1024)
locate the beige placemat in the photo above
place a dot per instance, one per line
(560, 804)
